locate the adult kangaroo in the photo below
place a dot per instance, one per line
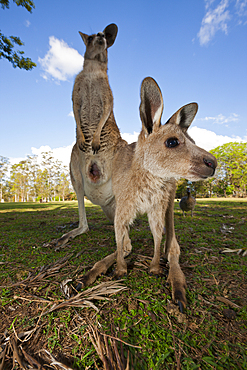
(97, 135)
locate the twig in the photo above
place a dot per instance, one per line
(16, 355)
(2, 357)
(120, 340)
(226, 301)
(55, 362)
(32, 300)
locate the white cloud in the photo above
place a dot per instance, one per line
(130, 138)
(13, 160)
(204, 138)
(218, 15)
(221, 119)
(209, 140)
(61, 62)
(27, 23)
(215, 20)
(241, 6)
(61, 154)
(71, 114)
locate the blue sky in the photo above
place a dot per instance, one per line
(195, 50)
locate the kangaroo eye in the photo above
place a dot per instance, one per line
(172, 142)
(90, 39)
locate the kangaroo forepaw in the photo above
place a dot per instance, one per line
(82, 144)
(95, 147)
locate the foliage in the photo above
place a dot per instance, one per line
(232, 161)
(28, 4)
(31, 181)
(230, 177)
(3, 170)
(7, 43)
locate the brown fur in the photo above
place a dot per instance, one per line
(97, 135)
(92, 96)
(143, 180)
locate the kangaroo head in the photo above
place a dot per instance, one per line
(97, 44)
(167, 150)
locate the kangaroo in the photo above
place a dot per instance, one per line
(144, 181)
(97, 135)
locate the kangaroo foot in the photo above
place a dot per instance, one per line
(156, 271)
(70, 235)
(120, 272)
(62, 241)
(98, 269)
(177, 281)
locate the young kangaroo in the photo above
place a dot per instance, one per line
(144, 181)
(97, 134)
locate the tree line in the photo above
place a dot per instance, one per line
(49, 180)
(230, 178)
(30, 181)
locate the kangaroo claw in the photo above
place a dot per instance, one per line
(95, 148)
(181, 307)
(79, 286)
(152, 274)
(120, 275)
(82, 146)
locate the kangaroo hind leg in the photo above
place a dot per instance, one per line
(77, 182)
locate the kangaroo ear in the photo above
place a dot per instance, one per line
(151, 107)
(84, 37)
(110, 33)
(184, 116)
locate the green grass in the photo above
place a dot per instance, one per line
(142, 316)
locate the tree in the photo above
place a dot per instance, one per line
(63, 185)
(42, 184)
(32, 175)
(7, 43)
(30, 180)
(20, 180)
(52, 168)
(232, 167)
(4, 162)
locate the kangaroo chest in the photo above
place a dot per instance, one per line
(93, 93)
(152, 193)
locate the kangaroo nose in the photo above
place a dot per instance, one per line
(210, 164)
